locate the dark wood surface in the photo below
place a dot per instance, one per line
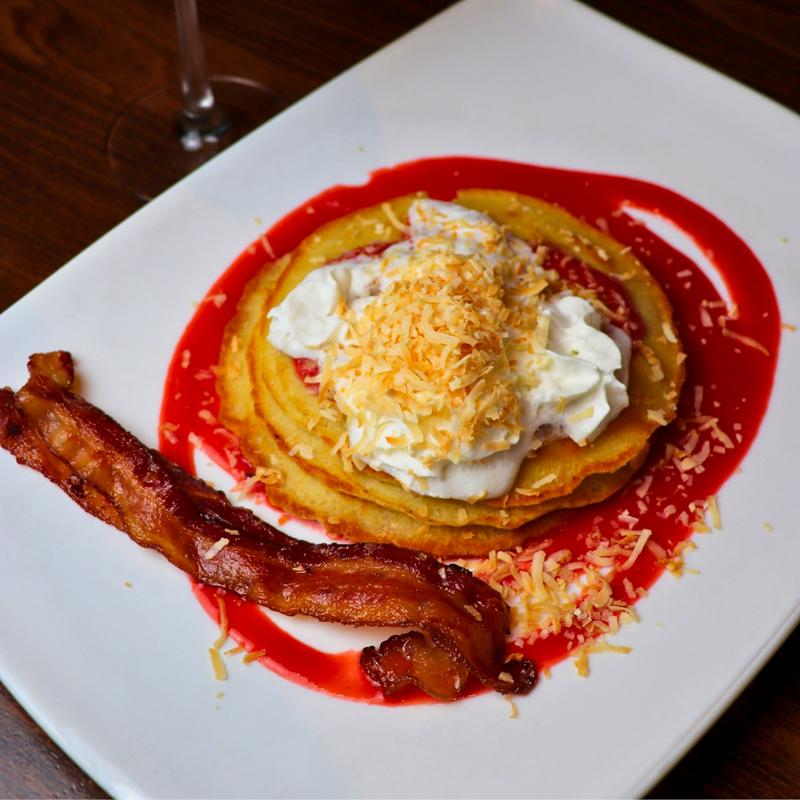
(68, 67)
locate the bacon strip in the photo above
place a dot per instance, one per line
(115, 477)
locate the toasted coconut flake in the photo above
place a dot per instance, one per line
(713, 508)
(644, 486)
(217, 665)
(169, 436)
(207, 416)
(223, 624)
(629, 590)
(642, 540)
(265, 243)
(604, 647)
(254, 656)
(387, 209)
(656, 370)
(513, 713)
(313, 422)
(712, 424)
(473, 612)
(268, 475)
(581, 663)
(747, 341)
(536, 485)
(305, 451)
(658, 551)
(698, 398)
(217, 300)
(339, 443)
(215, 548)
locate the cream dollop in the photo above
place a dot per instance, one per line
(572, 385)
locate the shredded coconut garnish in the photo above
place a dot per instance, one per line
(560, 593)
(656, 370)
(268, 476)
(536, 485)
(254, 656)
(217, 300)
(223, 624)
(432, 349)
(215, 548)
(669, 334)
(512, 714)
(265, 243)
(747, 341)
(713, 509)
(217, 665)
(305, 451)
(168, 432)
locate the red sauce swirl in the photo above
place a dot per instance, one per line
(716, 361)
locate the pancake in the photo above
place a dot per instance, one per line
(279, 420)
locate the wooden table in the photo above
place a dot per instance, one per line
(67, 69)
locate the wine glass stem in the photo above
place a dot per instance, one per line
(198, 99)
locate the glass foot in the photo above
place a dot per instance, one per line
(151, 146)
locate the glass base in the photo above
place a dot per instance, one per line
(150, 147)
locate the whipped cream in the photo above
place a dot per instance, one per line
(555, 367)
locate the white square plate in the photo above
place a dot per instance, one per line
(119, 677)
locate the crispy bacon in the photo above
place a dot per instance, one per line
(115, 477)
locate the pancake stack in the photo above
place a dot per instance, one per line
(285, 429)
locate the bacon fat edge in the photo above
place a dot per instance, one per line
(115, 477)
